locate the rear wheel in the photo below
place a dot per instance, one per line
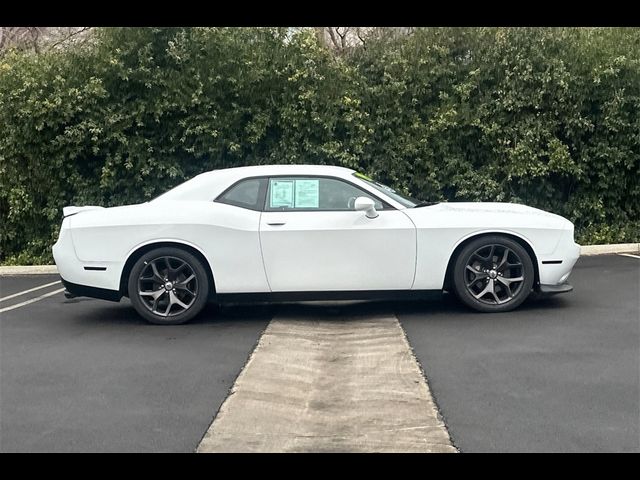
(493, 274)
(168, 286)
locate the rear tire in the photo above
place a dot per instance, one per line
(168, 286)
(493, 274)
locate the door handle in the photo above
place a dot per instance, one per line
(276, 224)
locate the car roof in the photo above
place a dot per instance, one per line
(210, 184)
(296, 169)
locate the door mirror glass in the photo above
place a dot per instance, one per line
(367, 205)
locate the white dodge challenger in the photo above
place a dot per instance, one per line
(307, 232)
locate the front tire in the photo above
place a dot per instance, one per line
(168, 286)
(493, 274)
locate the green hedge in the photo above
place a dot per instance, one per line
(547, 117)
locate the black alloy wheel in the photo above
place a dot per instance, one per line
(168, 286)
(493, 274)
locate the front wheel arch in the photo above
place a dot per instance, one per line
(448, 278)
(139, 252)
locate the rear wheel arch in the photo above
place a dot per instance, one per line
(448, 279)
(140, 251)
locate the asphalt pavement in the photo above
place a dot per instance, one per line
(10, 285)
(86, 375)
(558, 374)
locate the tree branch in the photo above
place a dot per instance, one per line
(342, 36)
(333, 37)
(68, 37)
(361, 38)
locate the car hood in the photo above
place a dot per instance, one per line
(489, 214)
(495, 207)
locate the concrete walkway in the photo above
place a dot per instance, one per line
(329, 384)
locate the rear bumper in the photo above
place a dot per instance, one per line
(93, 292)
(91, 276)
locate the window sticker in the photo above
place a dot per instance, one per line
(307, 193)
(281, 193)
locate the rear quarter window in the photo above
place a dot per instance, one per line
(247, 193)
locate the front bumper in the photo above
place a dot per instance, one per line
(554, 268)
(552, 289)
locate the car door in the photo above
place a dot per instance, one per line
(232, 240)
(313, 239)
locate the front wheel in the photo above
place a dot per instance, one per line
(493, 274)
(168, 286)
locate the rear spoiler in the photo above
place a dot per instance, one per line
(68, 211)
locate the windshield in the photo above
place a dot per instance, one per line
(398, 197)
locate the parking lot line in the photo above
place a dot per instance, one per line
(629, 255)
(28, 291)
(27, 302)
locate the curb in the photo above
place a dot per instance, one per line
(585, 250)
(613, 248)
(29, 270)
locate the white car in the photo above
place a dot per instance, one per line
(307, 232)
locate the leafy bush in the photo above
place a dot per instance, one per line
(547, 117)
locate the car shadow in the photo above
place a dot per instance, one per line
(449, 304)
(122, 313)
(444, 305)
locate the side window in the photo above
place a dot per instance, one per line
(309, 193)
(246, 194)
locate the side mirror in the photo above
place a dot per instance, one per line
(367, 206)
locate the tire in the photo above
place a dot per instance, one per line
(487, 280)
(163, 302)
